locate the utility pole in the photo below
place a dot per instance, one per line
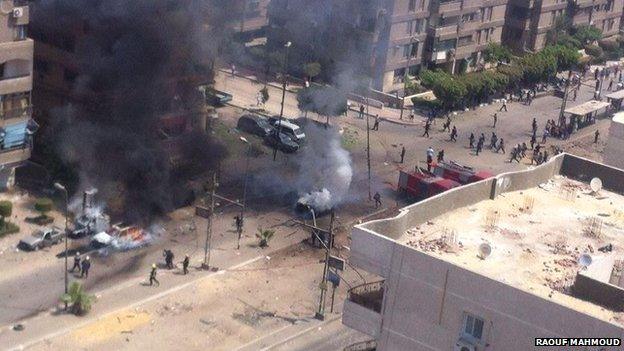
(206, 264)
(243, 206)
(63, 189)
(281, 115)
(370, 83)
(406, 75)
(320, 314)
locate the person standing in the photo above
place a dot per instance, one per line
(493, 140)
(534, 125)
(76, 263)
(152, 276)
(86, 265)
(376, 124)
(430, 154)
(361, 112)
(447, 125)
(545, 135)
(441, 156)
(185, 264)
(471, 139)
(495, 120)
(479, 146)
(402, 153)
(596, 136)
(377, 199)
(533, 141)
(454, 134)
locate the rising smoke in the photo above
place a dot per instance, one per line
(137, 61)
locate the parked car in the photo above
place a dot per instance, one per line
(42, 238)
(289, 128)
(255, 124)
(216, 98)
(282, 142)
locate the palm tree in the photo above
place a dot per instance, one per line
(80, 301)
(264, 235)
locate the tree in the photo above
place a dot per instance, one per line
(79, 300)
(567, 58)
(569, 41)
(561, 27)
(586, 34)
(324, 100)
(264, 235)
(312, 69)
(6, 209)
(43, 205)
(495, 53)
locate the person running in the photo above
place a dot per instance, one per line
(501, 146)
(479, 146)
(493, 140)
(440, 156)
(504, 105)
(427, 127)
(402, 153)
(454, 134)
(152, 276)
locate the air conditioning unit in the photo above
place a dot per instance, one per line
(18, 12)
(463, 345)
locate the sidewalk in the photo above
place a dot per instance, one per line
(125, 298)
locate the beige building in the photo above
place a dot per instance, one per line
(602, 14)
(16, 61)
(528, 22)
(495, 264)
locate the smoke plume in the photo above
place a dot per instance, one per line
(134, 103)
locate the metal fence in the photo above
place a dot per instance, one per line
(369, 295)
(370, 345)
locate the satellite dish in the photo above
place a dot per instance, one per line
(595, 184)
(484, 250)
(585, 260)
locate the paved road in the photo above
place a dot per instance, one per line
(333, 336)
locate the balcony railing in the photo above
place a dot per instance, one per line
(369, 295)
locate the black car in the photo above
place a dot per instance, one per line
(282, 142)
(255, 124)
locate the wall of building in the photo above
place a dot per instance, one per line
(426, 298)
(613, 154)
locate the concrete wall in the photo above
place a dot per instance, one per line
(614, 151)
(426, 298)
(601, 293)
(361, 319)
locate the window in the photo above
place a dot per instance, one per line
(412, 5)
(409, 27)
(467, 40)
(473, 327)
(20, 32)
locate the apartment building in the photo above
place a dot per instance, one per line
(495, 264)
(248, 18)
(16, 61)
(528, 22)
(395, 36)
(602, 14)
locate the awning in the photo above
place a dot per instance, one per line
(618, 95)
(587, 108)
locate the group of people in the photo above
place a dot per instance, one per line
(83, 265)
(169, 256)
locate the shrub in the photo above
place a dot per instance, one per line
(6, 209)
(497, 53)
(43, 205)
(79, 300)
(264, 235)
(569, 41)
(586, 34)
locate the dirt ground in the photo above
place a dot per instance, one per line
(221, 313)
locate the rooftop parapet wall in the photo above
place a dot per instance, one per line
(564, 164)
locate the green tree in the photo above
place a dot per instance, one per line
(264, 235)
(80, 302)
(567, 58)
(497, 53)
(450, 91)
(6, 209)
(312, 69)
(569, 41)
(586, 34)
(43, 205)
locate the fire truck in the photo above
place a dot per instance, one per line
(459, 173)
(423, 184)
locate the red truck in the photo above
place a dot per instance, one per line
(459, 173)
(423, 184)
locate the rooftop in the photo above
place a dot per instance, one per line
(536, 236)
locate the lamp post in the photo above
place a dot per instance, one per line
(285, 69)
(242, 213)
(413, 40)
(61, 188)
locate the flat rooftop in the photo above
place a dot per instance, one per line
(536, 237)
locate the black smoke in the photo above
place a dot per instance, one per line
(130, 126)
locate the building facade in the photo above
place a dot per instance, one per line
(424, 302)
(602, 14)
(16, 61)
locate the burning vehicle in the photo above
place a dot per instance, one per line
(91, 220)
(316, 203)
(121, 236)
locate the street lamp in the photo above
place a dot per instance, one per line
(285, 69)
(61, 188)
(242, 214)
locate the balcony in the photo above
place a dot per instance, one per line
(449, 6)
(18, 84)
(21, 112)
(444, 30)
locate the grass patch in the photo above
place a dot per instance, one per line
(8, 228)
